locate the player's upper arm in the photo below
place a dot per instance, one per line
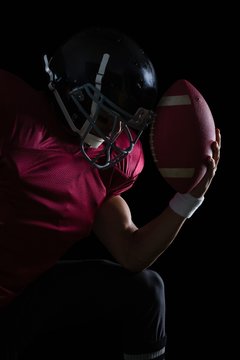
(113, 226)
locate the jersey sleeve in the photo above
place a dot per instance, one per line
(7, 110)
(21, 107)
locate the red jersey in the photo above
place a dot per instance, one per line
(49, 193)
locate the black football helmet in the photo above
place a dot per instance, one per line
(105, 85)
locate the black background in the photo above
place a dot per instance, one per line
(183, 42)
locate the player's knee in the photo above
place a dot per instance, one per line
(155, 287)
(150, 286)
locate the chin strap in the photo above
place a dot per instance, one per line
(90, 139)
(98, 81)
(58, 97)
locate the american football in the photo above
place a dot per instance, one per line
(181, 135)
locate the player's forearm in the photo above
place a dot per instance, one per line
(151, 240)
(137, 248)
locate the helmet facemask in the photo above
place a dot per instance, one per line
(104, 124)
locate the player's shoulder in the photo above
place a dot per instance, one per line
(24, 111)
(8, 78)
(14, 88)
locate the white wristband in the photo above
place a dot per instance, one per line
(185, 204)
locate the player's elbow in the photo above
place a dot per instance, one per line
(134, 265)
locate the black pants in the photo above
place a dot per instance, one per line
(75, 294)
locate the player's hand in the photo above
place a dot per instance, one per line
(212, 162)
